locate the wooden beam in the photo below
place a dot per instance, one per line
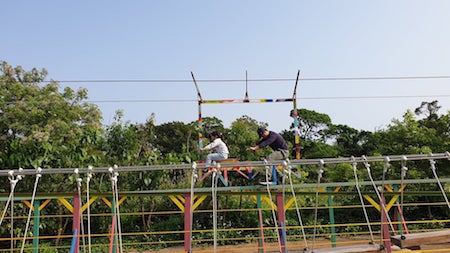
(414, 240)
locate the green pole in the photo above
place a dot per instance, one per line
(331, 214)
(114, 220)
(36, 226)
(261, 230)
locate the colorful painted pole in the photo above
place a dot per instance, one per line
(187, 222)
(282, 221)
(36, 225)
(296, 120)
(262, 248)
(247, 100)
(332, 221)
(76, 219)
(200, 121)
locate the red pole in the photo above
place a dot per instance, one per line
(76, 219)
(281, 221)
(187, 222)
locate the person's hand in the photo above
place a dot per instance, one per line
(251, 149)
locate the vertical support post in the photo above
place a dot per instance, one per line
(76, 219)
(296, 120)
(281, 220)
(200, 123)
(398, 216)
(187, 222)
(331, 214)
(36, 225)
(385, 226)
(262, 248)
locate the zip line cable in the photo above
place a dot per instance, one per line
(243, 80)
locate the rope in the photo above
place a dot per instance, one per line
(382, 202)
(362, 200)
(88, 180)
(319, 176)
(214, 181)
(404, 169)
(114, 174)
(274, 217)
(297, 209)
(38, 176)
(433, 168)
(79, 181)
(13, 181)
(194, 178)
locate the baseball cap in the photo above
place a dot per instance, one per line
(261, 131)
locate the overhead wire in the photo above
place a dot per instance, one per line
(250, 80)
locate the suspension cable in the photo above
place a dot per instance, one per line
(38, 176)
(362, 200)
(316, 207)
(274, 217)
(297, 209)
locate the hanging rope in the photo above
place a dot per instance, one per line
(79, 181)
(382, 202)
(36, 182)
(274, 216)
(403, 169)
(114, 178)
(194, 178)
(214, 182)
(316, 208)
(88, 180)
(361, 198)
(433, 168)
(13, 182)
(289, 172)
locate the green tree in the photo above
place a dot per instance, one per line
(243, 135)
(43, 127)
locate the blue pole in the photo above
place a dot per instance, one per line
(74, 241)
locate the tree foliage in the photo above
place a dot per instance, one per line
(41, 126)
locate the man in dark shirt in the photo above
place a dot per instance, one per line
(273, 140)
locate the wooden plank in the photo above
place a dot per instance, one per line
(368, 248)
(414, 240)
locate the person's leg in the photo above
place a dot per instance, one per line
(215, 157)
(275, 155)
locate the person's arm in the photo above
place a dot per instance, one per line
(253, 148)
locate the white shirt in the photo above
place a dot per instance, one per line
(217, 146)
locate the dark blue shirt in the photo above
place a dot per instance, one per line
(273, 140)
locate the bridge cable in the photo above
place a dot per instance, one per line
(36, 182)
(288, 171)
(433, 168)
(274, 217)
(361, 198)
(214, 182)
(88, 180)
(316, 207)
(79, 180)
(380, 197)
(194, 178)
(114, 178)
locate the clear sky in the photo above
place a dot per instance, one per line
(221, 40)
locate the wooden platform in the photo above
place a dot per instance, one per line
(415, 240)
(368, 248)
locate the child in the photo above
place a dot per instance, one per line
(219, 148)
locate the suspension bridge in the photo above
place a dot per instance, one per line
(277, 206)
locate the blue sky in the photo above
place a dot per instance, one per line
(221, 40)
